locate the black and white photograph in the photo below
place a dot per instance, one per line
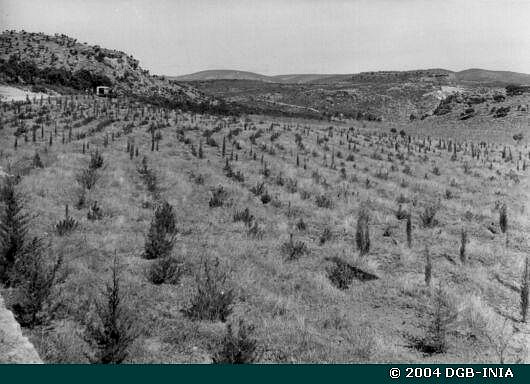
(265, 182)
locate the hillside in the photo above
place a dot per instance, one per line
(368, 96)
(474, 75)
(63, 64)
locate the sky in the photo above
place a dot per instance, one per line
(175, 37)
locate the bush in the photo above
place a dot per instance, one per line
(35, 279)
(443, 313)
(401, 213)
(96, 160)
(14, 225)
(301, 225)
(165, 270)
(428, 216)
(324, 201)
(113, 330)
(161, 235)
(258, 189)
(341, 274)
(94, 212)
(237, 348)
(362, 234)
(265, 198)
(525, 290)
(218, 197)
(149, 177)
(213, 300)
(67, 225)
(87, 178)
(294, 249)
(326, 236)
(463, 243)
(37, 162)
(503, 218)
(244, 216)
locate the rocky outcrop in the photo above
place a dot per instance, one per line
(14, 346)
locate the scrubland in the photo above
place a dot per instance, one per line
(260, 239)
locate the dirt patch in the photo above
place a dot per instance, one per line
(8, 93)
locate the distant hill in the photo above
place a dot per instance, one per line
(477, 76)
(493, 77)
(222, 74)
(303, 78)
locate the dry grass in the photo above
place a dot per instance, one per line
(298, 314)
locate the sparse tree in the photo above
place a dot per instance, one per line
(409, 230)
(161, 235)
(503, 218)
(14, 225)
(428, 267)
(463, 243)
(35, 277)
(525, 290)
(113, 330)
(362, 234)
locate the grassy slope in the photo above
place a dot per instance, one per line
(298, 314)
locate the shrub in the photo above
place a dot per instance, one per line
(112, 332)
(326, 236)
(81, 199)
(244, 216)
(443, 314)
(362, 234)
(218, 197)
(36, 279)
(254, 230)
(213, 300)
(14, 225)
(291, 185)
(94, 212)
(408, 230)
(294, 249)
(258, 189)
(301, 225)
(324, 201)
(341, 274)
(525, 290)
(161, 236)
(67, 225)
(96, 160)
(503, 218)
(237, 348)
(401, 213)
(87, 178)
(428, 267)
(463, 243)
(428, 216)
(265, 198)
(149, 177)
(37, 162)
(165, 270)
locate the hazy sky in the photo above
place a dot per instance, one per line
(175, 37)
